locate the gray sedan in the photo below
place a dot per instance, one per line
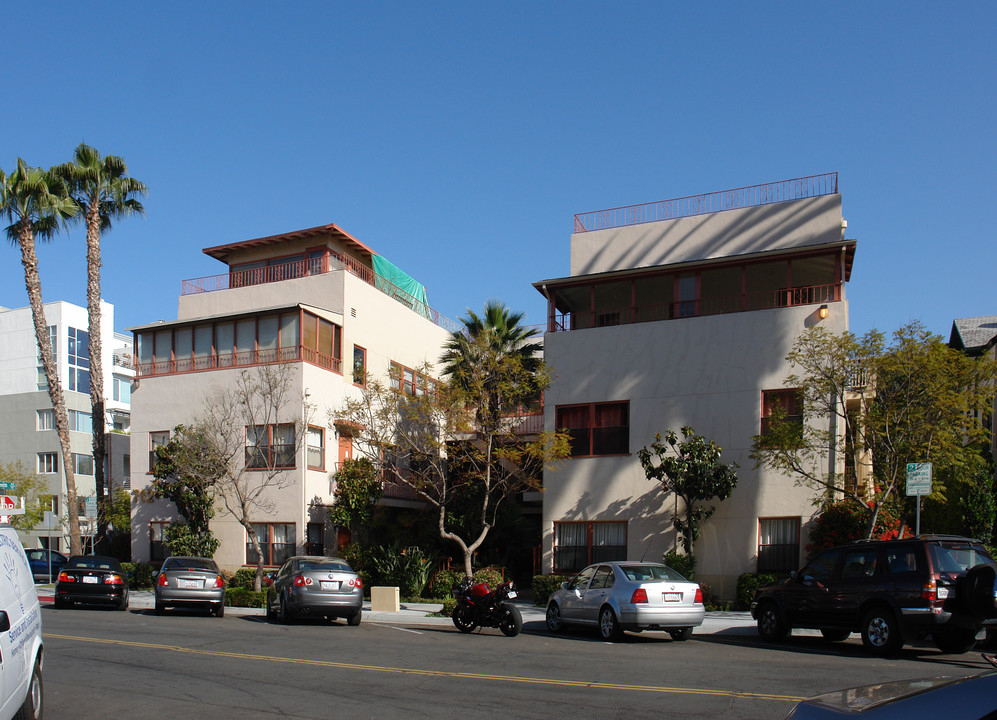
(190, 582)
(317, 586)
(618, 596)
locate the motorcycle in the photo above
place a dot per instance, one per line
(479, 606)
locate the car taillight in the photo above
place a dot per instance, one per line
(356, 582)
(639, 596)
(699, 597)
(930, 591)
(113, 580)
(65, 577)
(162, 581)
(219, 582)
(301, 581)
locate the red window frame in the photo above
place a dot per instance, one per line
(596, 429)
(788, 400)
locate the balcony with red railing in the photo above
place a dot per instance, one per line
(293, 270)
(752, 196)
(218, 361)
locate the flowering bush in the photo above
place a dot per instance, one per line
(845, 521)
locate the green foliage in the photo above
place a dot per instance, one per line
(842, 522)
(407, 569)
(139, 575)
(181, 539)
(692, 470)
(120, 511)
(361, 559)
(448, 607)
(685, 565)
(358, 490)
(546, 585)
(242, 578)
(442, 582)
(967, 506)
(245, 597)
(31, 487)
(747, 583)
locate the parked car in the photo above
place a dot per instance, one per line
(45, 564)
(954, 698)
(190, 582)
(891, 592)
(92, 579)
(313, 585)
(619, 596)
(20, 632)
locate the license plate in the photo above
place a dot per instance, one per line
(512, 594)
(330, 584)
(89, 579)
(192, 584)
(672, 597)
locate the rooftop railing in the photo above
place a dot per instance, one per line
(752, 196)
(314, 266)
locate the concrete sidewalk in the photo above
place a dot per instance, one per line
(423, 614)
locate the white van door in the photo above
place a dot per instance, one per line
(16, 593)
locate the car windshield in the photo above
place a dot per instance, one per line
(956, 557)
(326, 565)
(91, 563)
(190, 564)
(650, 573)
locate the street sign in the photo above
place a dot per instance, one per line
(7, 485)
(7, 504)
(918, 478)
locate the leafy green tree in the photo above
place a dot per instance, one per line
(879, 406)
(102, 190)
(358, 490)
(690, 468)
(33, 489)
(36, 202)
(186, 471)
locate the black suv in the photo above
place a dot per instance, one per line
(891, 591)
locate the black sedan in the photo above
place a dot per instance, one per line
(92, 579)
(309, 585)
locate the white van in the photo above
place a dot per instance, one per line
(20, 633)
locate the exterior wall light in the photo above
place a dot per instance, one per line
(822, 311)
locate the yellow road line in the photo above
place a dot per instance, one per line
(434, 673)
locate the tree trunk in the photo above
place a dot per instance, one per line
(254, 541)
(96, 367)
(32, 283)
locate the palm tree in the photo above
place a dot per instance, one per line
(104, 192)
(35, 202)
(497, 334)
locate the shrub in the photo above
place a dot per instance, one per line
(844, 521)
(361, 559)
(139, 575)
(685, 565)
(442, 582)
(406, 569)
(242, 578)
(749, 582)
(448, 605)
(545, 585)
(245, 597)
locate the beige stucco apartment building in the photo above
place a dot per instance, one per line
(682, 313)
(317, 299)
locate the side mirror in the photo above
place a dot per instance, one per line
(564, 585)
(4, 621)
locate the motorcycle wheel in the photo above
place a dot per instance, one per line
(463, 618)
(512, 621)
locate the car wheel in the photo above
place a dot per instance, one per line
(123, 605)
(554, 622)
(220, 610)
(32, 707)
(880, 632)
(160, 608)
(609, 627)
(355, 618)
(832, 635)
(681, 633)
(771, 626)
(270, 613)
(463, 618)
(283, 614)
(955, 641)
(512, 621)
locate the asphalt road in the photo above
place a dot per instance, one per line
(111, 664)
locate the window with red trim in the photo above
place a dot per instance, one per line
(596, 428)
(781, 405)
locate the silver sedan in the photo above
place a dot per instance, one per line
(312, 585)
(619, 596)
(190, 582)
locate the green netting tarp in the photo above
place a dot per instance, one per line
(399, 285)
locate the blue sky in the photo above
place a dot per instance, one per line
(459, 139)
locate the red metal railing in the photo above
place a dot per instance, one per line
(754, 195)
(602, 317)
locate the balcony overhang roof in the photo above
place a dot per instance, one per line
(847, 248)
(330, 315)
(222, 252)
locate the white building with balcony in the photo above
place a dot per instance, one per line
(317, 300)
(682, 313)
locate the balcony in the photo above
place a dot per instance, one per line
(742, 302)
(216, 361)
(752, 196)
(334, 262)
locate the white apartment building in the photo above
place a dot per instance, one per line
(682, 313)
(317, 299)
(27, 420)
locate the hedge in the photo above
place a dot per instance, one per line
(545, 585)
(243, 597)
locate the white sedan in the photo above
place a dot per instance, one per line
(618, 596)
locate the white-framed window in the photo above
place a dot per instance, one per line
(80, 421)
(316, 448)
(48, 463)
(82, 464)
(46, 419)
(122, 389)
(79, 361)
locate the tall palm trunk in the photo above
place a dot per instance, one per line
(96, 366)
(32, 283)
